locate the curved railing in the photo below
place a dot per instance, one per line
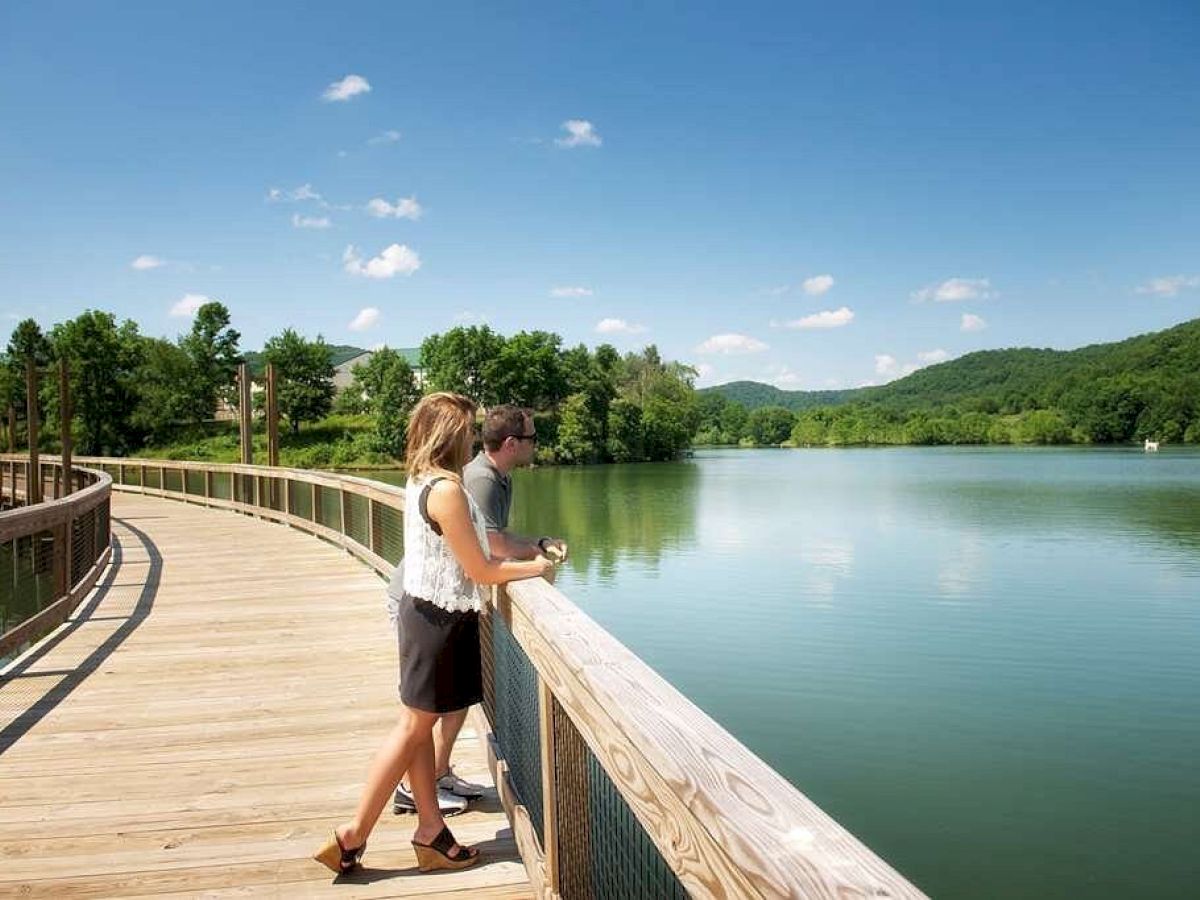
(616, 784)
(51, 553)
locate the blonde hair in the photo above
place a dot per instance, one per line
(435, 434)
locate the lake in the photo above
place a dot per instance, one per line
(983, 662)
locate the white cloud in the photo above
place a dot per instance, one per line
(829, 318)
(817, 285)
(468, 317)
(146, 262)
(618, 326)
(403, 208)
(570, 292)
(350, 86)
(188, 304)
(299, 221)
(396, 259)
(784, 378)
(972, 322)
(387, 137)
(304, 192)
(1169, 285)
(580, 133)
(932, 357)
(728, 344)
(954, 289)
(885, 364)
(366, 318)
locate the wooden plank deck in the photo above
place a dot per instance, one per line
(206, 716)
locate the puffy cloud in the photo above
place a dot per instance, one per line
(885, 364)
(350, 86)
(386, 137)
(146, 262)
(1169, 285)
(396, 259)
(188, 304)
(829, 318)
(817, 285)
(366, 318)
(728, 344)
(618, 326)
(304, 192)
(299, 221)
(404, 208)
(955, 289)
(580, 133)
(932, 357)
(570, 292)
(972, 322)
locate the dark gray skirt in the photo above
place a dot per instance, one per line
(440, 666)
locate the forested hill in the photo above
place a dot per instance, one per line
(755, 394)
(1015, 380)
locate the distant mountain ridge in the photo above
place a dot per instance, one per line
(1018, 378)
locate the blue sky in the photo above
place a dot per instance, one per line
(798, 194)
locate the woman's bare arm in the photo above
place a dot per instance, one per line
(448, 507)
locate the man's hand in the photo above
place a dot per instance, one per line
(554, 548)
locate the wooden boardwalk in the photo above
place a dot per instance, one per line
(206, 716)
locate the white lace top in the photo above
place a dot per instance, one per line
(431, 570)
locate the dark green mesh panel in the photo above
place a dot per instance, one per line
(222, 485)
(331, 514)
(516, 722)
(389, 533)
(153, 478)
(603, 851)
(173, 479)
(301, 499)
(195, 482)
(357, 510)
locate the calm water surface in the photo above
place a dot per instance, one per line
(985, 663)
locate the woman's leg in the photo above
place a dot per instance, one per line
(422, 781)
(444, 737)
(411, 736)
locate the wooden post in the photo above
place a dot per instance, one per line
(272, 417)
(12, 428)
(244, 414)
(549, 792)
(33, 489)
(65, 413)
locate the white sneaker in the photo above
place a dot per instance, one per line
(457, 786)
(449, 804)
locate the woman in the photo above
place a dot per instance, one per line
(445, 558)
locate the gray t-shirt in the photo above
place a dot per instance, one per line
(491, 490)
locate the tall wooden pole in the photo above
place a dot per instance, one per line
(272, 417)
(33, 486)
(12, 428)
(244, 413)
(66, 412)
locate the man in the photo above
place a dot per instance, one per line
(509, 439)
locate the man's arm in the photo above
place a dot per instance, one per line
(511, 546)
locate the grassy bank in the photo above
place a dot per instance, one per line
(338, 442)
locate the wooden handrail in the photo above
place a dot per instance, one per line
(57, 518)
(726, 823)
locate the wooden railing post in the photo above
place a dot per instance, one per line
(342, 510)
(272, 410)
(244, 420)
(12, 428)
(65, 414)
(33, 485)
(549, 788)
(207, 484)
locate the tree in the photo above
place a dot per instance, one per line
(104, 359)
(211, 348)
(625, 439)
(391, 391)
(161, 403)
(579, 434)
(304, 376)
(462, 360)
(528, 370)
(770, 425)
